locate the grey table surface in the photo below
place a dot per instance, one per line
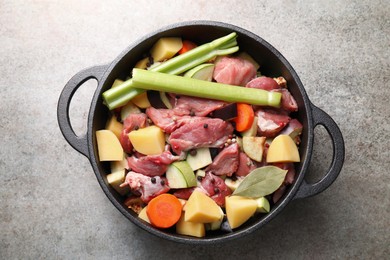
(51, 206)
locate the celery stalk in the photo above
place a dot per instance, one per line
(120, 95)
(116, 98)
(151, 80)
(198, 55)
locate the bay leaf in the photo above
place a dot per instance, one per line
(261, 182)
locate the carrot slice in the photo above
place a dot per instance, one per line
(187, 45)
(164, 210)
(245, 117)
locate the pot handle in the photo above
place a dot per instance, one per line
(311, 189)
(77, 142)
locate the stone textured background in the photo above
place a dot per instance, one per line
(51, 206)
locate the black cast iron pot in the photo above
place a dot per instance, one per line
(272, 64)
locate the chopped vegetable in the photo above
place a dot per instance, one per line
(165, 100)
(227, 112)
(233, 183)
(187, 45)
(164, 210)
(262, 205)
(149, 140)
(175, 177)
(247, 57)
(283, 149)
(194, 229)
(143, 215)
(239, 210)
(119, 165)
(253, 146)
(120, 95)
(155, 100)
(245, 117)
(252, 131)
(142, 64)
(200, 174)
(115, 179)
(114, 126)
(129, 108)
(215, 225)
(202, 72)
(192, 87)
(141, 100)
(109, 148)
(180, 175)
(166, 48)
(199, 158)
(116, 83)
(201, 208)
(226, 45)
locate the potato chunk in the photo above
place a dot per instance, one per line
(141, 100)
(166, 48)
(114, 126)
(119, 165)
(115, 179)
(201, 209)
(149, 140)
(116, 83)
(194, 229)
(283, 149)
(109, 147)
(142, 64)
(239, 210)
